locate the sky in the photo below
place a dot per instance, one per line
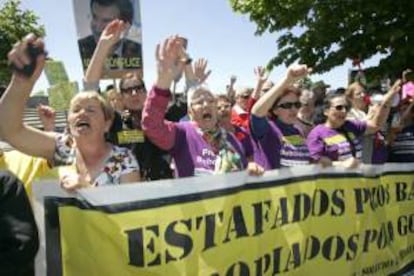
(225, 38)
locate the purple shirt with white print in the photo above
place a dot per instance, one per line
(333, 143)
(278, 144)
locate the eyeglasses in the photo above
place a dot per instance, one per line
(290, 105)
(130, 90)
(244, 97)
(341, 107)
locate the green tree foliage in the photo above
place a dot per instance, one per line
(14, 25)
(325, 33)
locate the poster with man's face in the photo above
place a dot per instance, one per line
(92, 16)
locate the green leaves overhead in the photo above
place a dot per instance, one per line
(14, 25)
(325, 33)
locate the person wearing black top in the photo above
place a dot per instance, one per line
(126, 129)
(19, 239)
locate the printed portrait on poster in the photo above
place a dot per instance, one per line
(92, 16)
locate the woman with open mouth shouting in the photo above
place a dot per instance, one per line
(198, 146)
(89, 159)
(280, 142)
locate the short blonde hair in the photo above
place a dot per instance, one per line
(106, 107)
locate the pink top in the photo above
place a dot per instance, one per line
(408, 90)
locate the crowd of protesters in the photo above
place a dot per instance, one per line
(139, 135)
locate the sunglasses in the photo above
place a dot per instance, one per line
(342, 107)
(290, 105)
(245, 97)
(130, 90)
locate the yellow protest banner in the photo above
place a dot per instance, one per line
(306, 221)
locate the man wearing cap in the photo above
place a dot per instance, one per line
(319, 90)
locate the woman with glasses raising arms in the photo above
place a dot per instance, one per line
(199, 146)
(336, 139)
(279, 141)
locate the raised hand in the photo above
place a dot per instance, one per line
(396, 87)
(297, 71)
(47, 116)
(200, 73)
(166, 54)
(261, 74)
(112, 32)
(20, 56)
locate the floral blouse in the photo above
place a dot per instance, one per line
(119, 162)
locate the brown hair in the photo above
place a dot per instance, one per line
(349, 92)
(130, 76)
(288, 90)
(223, 97)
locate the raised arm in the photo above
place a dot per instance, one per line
(263, 105)
(109, 37)
(162, 132)
(261, 78)
(380, 117)
(231, 92)
(22, 137)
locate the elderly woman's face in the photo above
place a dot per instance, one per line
(86, 117)
(203, 109)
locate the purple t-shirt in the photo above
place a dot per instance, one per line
(333, 143)
(245, 139)
(280, 145)
(379, 148)
(193, 155)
